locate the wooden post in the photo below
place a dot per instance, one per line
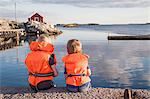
(108, 39)
(17, 38)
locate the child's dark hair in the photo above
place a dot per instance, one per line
(74, 46)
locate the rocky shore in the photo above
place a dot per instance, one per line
(61, 93)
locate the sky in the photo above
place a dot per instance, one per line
(79, 11)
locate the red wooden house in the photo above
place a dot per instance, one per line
(36, 17)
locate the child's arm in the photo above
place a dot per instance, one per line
(65, 73)
(52, 63)
(88, 71)
(54, 70)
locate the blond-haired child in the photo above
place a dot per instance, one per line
(77, 71)
(41, 63)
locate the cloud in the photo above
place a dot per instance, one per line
(97, 3)
(8, 13)
(87, 3)
(4, 3)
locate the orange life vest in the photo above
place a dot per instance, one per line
(37, 61)
(76, 64)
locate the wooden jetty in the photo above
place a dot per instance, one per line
(138, 37)
(10, 38)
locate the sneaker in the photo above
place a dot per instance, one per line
(54, 86)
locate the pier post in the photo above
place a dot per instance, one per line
(17, 38)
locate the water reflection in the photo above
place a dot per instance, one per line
(120, 63)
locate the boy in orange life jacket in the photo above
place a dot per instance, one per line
(77, 71)
(41, 64)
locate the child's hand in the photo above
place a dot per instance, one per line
(55, 74)
(54, 70)
(66, 76)
(88, 72)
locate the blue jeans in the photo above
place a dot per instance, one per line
(82, 88)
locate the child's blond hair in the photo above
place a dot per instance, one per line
(45, 38)
(74, 46)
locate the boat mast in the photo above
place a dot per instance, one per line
(15, 12)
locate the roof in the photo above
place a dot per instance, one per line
(35, 14)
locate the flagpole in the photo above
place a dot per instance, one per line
(17, 33)
(15, 12)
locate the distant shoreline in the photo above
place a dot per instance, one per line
(95, 24)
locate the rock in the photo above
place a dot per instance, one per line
(71, 25)
(39, 28)
(7, 24)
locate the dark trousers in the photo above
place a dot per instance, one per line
(44, 85)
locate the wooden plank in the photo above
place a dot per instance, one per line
(140, 37)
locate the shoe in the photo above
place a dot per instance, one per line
(54, 86)
(32, 90)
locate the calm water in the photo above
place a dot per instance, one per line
(118, 64)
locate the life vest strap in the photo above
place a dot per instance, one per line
(42, 74)
(70, 75)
